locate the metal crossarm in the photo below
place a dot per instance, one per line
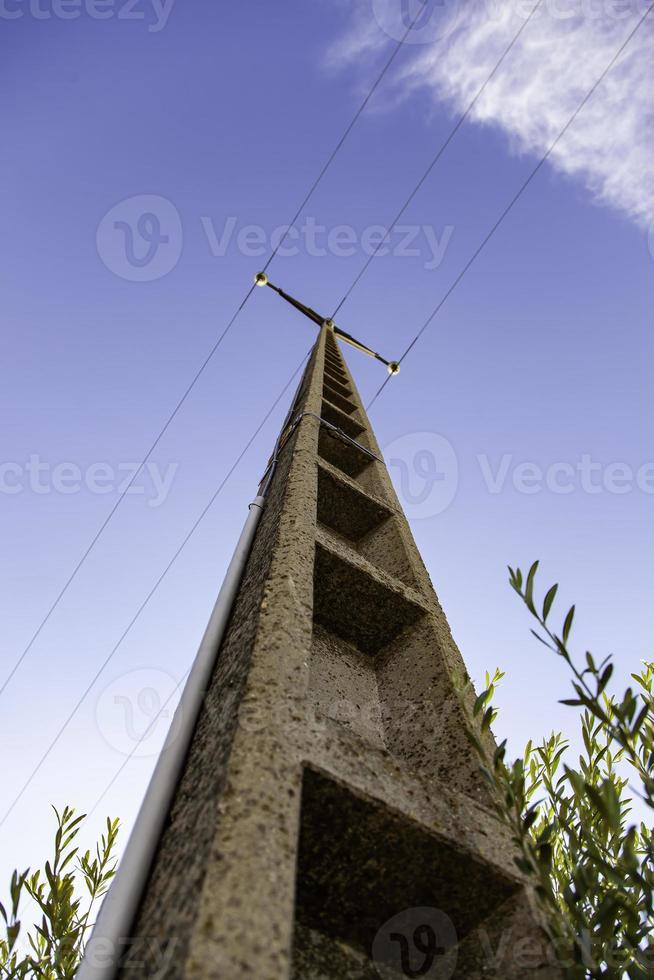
(261, 279)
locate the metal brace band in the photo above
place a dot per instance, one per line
(339, 433)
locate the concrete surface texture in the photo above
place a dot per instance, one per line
(332, 823)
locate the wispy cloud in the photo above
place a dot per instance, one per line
(560, 55)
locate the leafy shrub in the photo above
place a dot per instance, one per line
(592, 869)
(56, 943)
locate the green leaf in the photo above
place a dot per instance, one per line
(548, 600)
(500, 753)
(637, 725)
(567, 625)
(479, 703)
(529, 587)
(487, 719)
(531, 818)
(605, 678)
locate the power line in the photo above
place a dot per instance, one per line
(205, 363)
(144, 734)
(458, 279)
(439, 154)
(154, 588)
(516, 197)
(213, 350)
(123, 493)
(344, 137)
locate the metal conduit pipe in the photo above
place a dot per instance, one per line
(109, 938)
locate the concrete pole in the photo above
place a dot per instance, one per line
(331, 821)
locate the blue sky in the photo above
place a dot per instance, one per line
(535, 376)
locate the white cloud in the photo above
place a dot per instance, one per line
(559, 56)
(362, 37)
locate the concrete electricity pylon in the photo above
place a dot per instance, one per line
(330, 821)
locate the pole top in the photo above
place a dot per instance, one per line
(393, 367)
